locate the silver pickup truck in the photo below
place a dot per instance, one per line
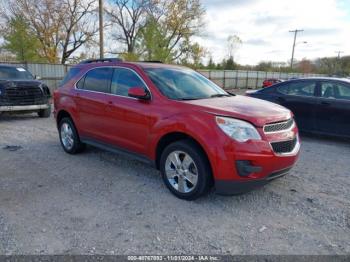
(21, 92)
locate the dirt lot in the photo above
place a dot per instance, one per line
(98, 202)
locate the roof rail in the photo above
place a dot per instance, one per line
(152, 61)
(101, 60)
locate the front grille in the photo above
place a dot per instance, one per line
(284, 146)
(24, 96)
(280, 126)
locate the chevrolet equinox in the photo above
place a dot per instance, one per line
(195, 133)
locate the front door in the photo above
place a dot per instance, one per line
(129, 118)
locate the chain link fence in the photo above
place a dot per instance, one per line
(52, 74)
(241, 79)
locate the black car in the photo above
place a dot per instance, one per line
(320, 105)
(20, 92)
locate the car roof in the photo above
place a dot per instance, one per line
(140, 64)
(319, 79)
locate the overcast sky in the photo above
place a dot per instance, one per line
(263, 26)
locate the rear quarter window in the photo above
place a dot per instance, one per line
(71, 74)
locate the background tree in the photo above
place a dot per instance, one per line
(169, 29)
(211, 64)
(128, 17)
(19, 40)
(305, 66)
(193, 56)
(233, 45)
(79, 26)
(229, 64)
(61, 26)
(152, 41)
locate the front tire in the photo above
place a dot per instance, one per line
(69, 137)
(186, 170)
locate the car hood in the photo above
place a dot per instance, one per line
(19, 83)
(255, 111)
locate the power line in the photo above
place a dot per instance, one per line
(296, 31)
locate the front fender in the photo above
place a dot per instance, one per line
(200, 126)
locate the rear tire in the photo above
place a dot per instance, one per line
(45, 113)
(186, 170)
(69, 137)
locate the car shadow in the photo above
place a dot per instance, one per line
(9, 117)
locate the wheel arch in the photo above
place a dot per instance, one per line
(172, 137)
(62, 114)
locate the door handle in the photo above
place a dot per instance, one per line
(109, 106)
(325, 103)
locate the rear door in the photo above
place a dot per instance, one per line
(333, 109)
(92, 96)
(300, 98)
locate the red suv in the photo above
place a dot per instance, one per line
(195, 133)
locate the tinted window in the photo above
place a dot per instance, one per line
(335, 90)
(123, 79)
(80, 83)
(306, 88)
(98, 79)
(71, 73)
(183, 83)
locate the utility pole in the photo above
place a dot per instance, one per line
(296, 31)
(339, 52)
(100, 13)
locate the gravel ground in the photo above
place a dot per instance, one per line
(102, 203)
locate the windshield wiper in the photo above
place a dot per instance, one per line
(220, 95)
(189, 98)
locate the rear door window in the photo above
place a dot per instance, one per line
(305, 88)
(97, 80)
(335, 90)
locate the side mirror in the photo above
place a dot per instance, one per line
(139, 93)
(37, 77)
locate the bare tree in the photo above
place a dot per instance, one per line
(79, 27)
(129, 16)
(61, 26)
(233, 44)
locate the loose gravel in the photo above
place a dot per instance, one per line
(103, 203)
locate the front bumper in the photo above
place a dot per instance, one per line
(232, 187)
(23, 108)
(242, 167)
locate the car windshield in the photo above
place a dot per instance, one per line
(10, 73)
(183, 84)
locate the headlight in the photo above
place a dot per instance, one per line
(239, 130)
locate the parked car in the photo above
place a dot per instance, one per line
(198, 135)
(271, 81)
(20, 92)
(320, 105)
